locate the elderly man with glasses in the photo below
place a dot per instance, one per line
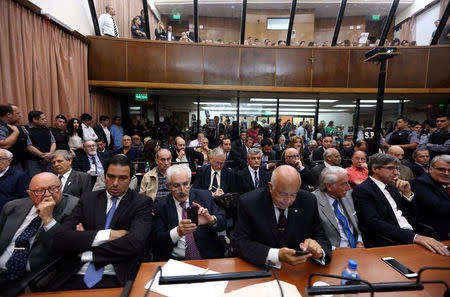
(27, 228)
(385, 208)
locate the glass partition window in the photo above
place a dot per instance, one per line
(177, 21)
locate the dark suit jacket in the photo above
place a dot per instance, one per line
(203, 179)
(13, 185)
(101, 134)
(205, 236)
(318, 153)
(191, 156)
(77, 183)
(245, 180)
(81, 162)
(254, 233)
(433, 204)
(234, 160)
(416, 169)
(376, 216)
(134, 214)
(316, 170)
(12, 217)
(271, 158)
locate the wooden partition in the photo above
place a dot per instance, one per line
(173, 65)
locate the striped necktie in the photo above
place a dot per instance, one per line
(344, 224)
(116, 31)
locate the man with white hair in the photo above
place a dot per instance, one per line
(331, 157)
(174, 235)
(90, 162)
(336, 208)
(13, 183)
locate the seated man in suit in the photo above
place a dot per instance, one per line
(404, 172)
(186, 155)
(174, 235)
(248, 145)
(280, 146)
(269, 155)
(336, 209)
(420, 163)
(215, 177)
(275, 221)
(252, 177)
(292, 158)
(239, 143)
(90, 162)
(233, 155)
(153, 183)
(101, 148)
(327, 143)
(331, 157)
(357, 173)
(107, 234)
(432, 191)
(384, 206)
(73, 182)
(28, 226)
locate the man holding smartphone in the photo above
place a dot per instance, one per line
(275, 222)
(174, 234)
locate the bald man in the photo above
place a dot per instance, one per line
(27, 227)
(276, 221)
(404, 173)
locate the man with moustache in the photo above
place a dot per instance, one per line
(90, 162)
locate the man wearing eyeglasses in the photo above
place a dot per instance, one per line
(91, 162)
(28, 226)
(438, 141)
(385, 208)
(292, 158)
(276, 221)
(432, 191)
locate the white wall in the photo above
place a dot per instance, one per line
(425, 25)
(73, 13)
(411, 9)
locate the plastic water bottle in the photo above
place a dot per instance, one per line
(350, 271)
(147, 167)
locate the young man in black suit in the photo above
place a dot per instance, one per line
(275, 221)
(174, 235)
(107, 234)
(102, 131)
(384, 206)
(252, 177)
(327, 143)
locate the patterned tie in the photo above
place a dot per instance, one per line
(17, 263)
(282, 225)
(344, 224)
(448, 190)
(116, 32)
(256, 179)
(94, 162)
(215, 184)
(192, 252)
(93, 276)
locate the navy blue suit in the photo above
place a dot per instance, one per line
(433, 204)
(166, 218)
(203, 179)
(245, 180)
(132, 154)
(13, 185)
(376, 216)
(416, 169)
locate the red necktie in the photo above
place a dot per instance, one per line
(448, 190)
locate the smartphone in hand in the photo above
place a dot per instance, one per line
(192, 214)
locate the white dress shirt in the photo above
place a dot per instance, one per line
(195, 143)
(10, 248)
(344, 240)
(108, 135)
(218, 180)
(402, 221)
(88, 133)
(101, 237)
(64, 178)
(107, 24)
(180, 248)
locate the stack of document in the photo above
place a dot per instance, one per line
(177, 268)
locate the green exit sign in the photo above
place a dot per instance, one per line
(376, 17)
(176, 16)
(141, 97)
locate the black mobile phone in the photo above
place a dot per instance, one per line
(400, 267)
(192, 214)
(301, 253)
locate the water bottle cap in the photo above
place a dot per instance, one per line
(352, 264)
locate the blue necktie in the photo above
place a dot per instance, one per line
(17, 263)
(344, 223)
(92, 276)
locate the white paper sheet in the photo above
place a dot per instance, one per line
(177, 268)
(267, 289)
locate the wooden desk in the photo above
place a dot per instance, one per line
(370, 267)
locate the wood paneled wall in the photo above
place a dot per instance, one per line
(244, 67)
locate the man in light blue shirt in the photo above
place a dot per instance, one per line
(117, 132)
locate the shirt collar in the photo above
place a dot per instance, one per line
(380, 184)
(66, 175)
(330, 199)
(118, 197)
(218, 172)
(252, 170)
(177, 203)
(4, 171)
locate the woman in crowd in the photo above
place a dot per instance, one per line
(297, 143)
(160, 33)
(75, 136)
(135, 31)
(330, 131)
(148, 155)
(253, 131)
(321, 128)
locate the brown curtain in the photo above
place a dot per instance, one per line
(104, 104)
(125, 12)
(42, 68)
(409, 29)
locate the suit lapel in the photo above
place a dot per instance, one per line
(294, 220)
(18, 217)
(270, 215)
(326, 209)
(207, 177)
(100, 210)
(383, 198)
(172, 214)
(345, 202)
(69, 180)
(249, 179)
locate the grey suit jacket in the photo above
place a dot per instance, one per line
(77, 183)
(329, 220)
(13, 215)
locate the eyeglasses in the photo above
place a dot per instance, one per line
(441, 121)
(391, 168)
(293, 157)
(41, 192)
(442, 170)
